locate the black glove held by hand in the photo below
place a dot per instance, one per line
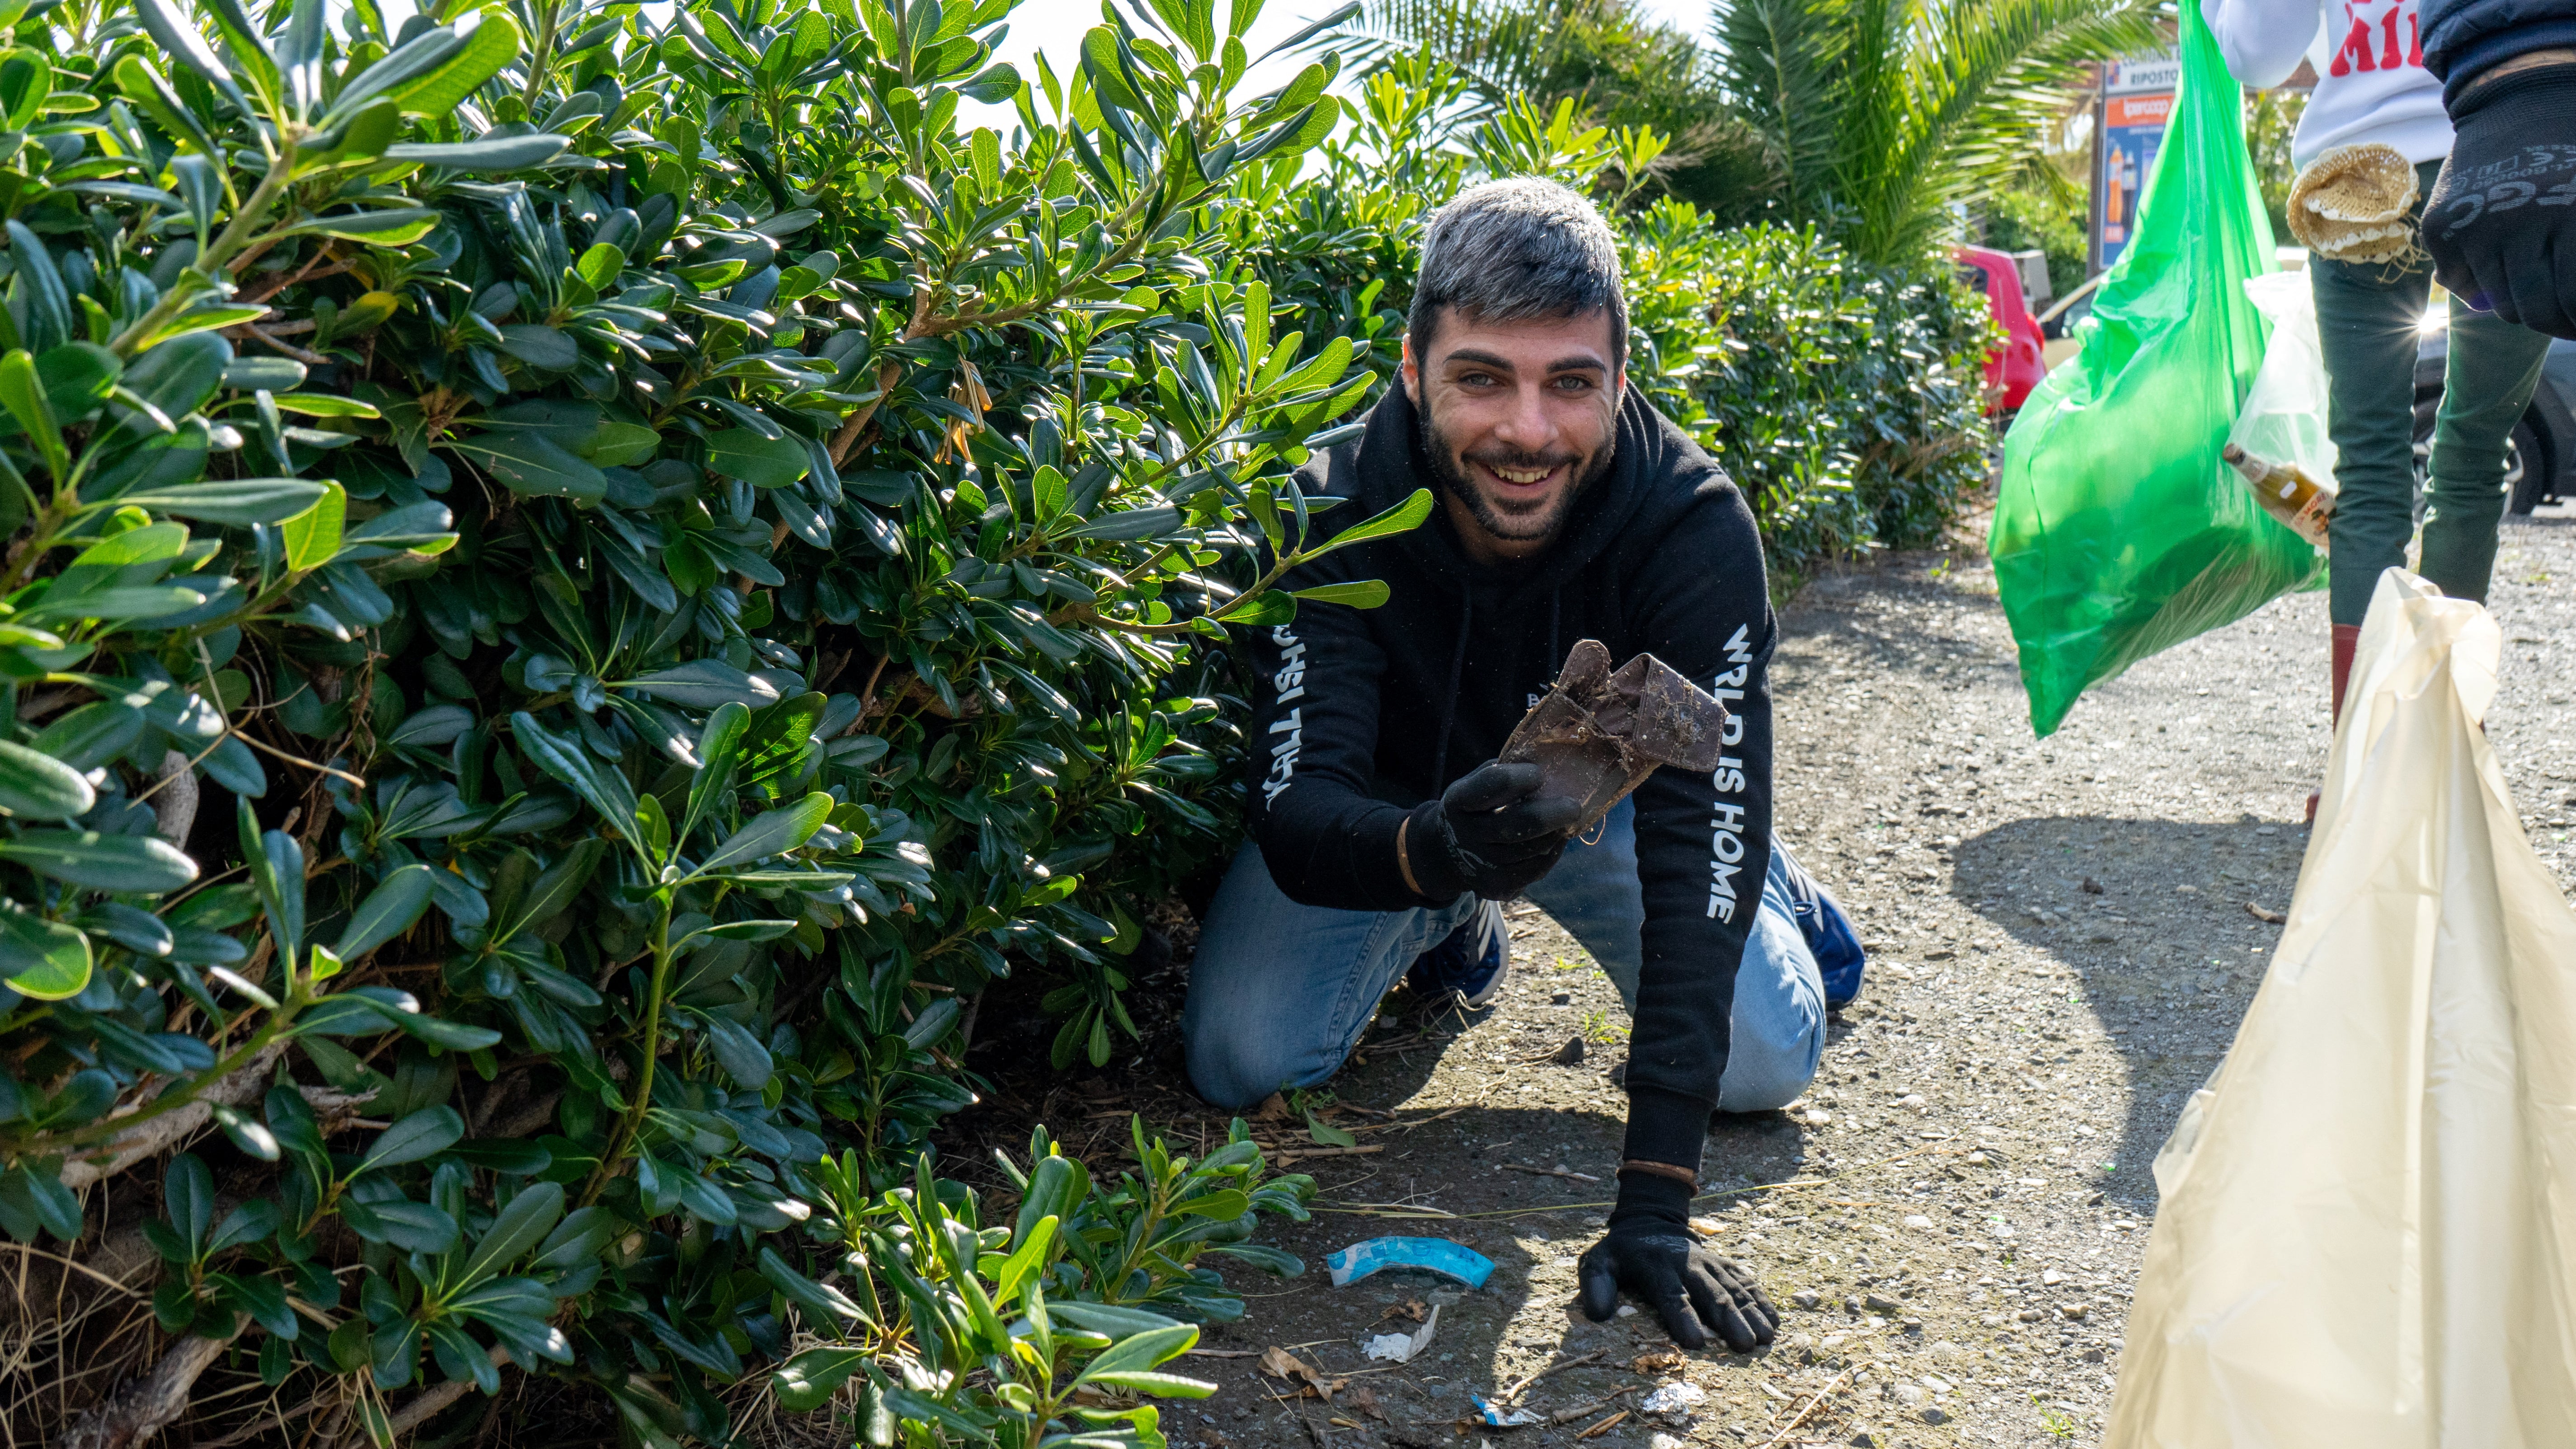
(1491, 833)
(2501, 222)
(1651, 1251)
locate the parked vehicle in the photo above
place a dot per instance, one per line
(2541, 454)
(2016, 367)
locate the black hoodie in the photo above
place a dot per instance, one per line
(1369, 712)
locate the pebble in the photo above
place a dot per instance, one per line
(1918, 1221)
(1627, 1310)
(1667, 1441)
(1876, 1304)
(1936, 1416)
(2030, 1315)
(2074, 1311)
(2052, 1277)
(1906, 1393)
(1914, 1101)
(1819, 1117)
(1806, 1298)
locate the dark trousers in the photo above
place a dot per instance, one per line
(2367, 319)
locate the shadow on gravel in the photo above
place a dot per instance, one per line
(2157, 921)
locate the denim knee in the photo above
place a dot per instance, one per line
(1235, 1067)
(1777, 1026)
(1764, 1076)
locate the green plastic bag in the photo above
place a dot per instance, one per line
(2118, 531)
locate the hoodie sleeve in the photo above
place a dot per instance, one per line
(2263, 40)
(1703, 840)
(2464, 38)
(1313, 751)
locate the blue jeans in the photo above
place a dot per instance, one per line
(1281, 992)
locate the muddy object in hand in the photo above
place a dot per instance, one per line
(1599, 733)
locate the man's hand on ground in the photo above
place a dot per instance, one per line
(1651, 1252)
(1491, 833)
(2499, 223)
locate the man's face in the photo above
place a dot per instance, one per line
(1518, 419)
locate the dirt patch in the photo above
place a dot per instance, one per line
(2064, 933)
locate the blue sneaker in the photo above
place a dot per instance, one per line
(1474, 962)
(1830, 936)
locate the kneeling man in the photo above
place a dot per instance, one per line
(1384, 832)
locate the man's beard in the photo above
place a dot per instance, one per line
(1542, 522)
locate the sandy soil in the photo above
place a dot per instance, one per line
(2065, 934)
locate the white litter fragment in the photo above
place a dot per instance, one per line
(1401, 1347)
(1674, 1399)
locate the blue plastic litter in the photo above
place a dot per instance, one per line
(1496, 1419)
(1433, 1255)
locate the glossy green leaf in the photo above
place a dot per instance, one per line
(758, 461)
(388, 911)
(1362, 594)
(313, 536)
(36, 786)
(490, 155)
(142, 864)
(248, 500)
(425, 1133)
(47, 960)
(770, 833)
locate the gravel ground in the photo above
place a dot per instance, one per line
(2064, 934)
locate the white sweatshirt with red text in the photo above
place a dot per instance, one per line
(2371, 81)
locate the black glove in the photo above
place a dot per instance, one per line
(1651, 1251)
(2501, 223)
(1491, 833)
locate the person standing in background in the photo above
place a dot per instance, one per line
(2374, 91)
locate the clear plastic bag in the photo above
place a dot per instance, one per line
(2368, 1216)
(2284, 417)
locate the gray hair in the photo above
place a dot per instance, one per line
(1516, 251)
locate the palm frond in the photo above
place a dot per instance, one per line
(1776, 62)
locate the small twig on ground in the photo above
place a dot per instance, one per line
(1604, 1427)
(1549, 1172)
(1514, 1391)
(1801, 1416)
(1568, 1416)
(1291, 1154)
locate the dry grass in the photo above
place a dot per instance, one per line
(69, 1335)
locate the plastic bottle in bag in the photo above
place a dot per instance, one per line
(2286, 492)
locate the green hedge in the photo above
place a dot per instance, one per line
(577, 593)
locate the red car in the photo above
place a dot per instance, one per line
(2016, 367)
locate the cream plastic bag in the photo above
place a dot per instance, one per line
(2369, 1214)
(2284, 416)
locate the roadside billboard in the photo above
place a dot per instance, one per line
(2130, 115)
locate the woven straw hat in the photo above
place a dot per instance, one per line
(2351, 204)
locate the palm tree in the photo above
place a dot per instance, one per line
(1620, 67)
(1868, 117)
(1882, 113)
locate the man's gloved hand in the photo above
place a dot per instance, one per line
(2501, 223)
(1491, 833)
(1651, 1251)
